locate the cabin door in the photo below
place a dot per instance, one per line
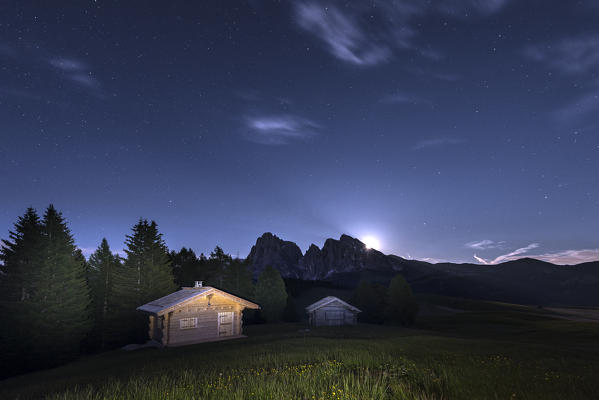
(225, 323)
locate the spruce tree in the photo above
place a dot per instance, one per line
(218, 263)
(58, 309)
(145, 275)
(237, 279)
(102, 270)
(402, 306)
(271, 294)
(370, 298)
(187, 267)
(21, 255)
(46, 292)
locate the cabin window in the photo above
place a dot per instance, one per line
(188, 323)
(333, 315)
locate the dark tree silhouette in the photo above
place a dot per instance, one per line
(58, 307)
(187, 267)
(237, 279)
(218, 263)
(145, 275)
(103, 266)
(271, 294)
(370, 298)
(21, 255)
(401, 304)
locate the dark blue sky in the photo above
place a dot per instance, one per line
(450, 130)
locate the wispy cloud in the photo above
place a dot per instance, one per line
(76, 71)
(68, 65)
(579, 108)
(279, 129)
(73, 70)
(480, 259)
(433, 260)
(578, 56)
(569, 257)
(568, 56)
(85, 80)
(467, 7)
(509, 256)
(484, 244)
(438, 142)
(350, 34)
(341, 33)
(566, 257)
(403, 98)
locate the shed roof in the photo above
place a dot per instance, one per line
(168, 302)
(328, 300)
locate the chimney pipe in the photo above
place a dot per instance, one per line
(199, 284)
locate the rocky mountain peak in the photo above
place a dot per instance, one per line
(345, 260)
(272, 250)
(351, 240)
(347, 254)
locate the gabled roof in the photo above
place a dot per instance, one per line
(328, 300)
(167, 303)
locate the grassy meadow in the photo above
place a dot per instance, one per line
(458, 350)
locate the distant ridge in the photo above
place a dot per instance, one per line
(345, 261)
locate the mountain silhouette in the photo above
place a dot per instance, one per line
(344, 262)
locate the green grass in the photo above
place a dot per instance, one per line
(489, 352)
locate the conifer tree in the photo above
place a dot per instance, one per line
(218, 263)
(102, 270)
(57, 309)
(187, 267)
(145, 275)
(46, 292)
(402, 306)
(21, 255)
(370, 298)
(271, 294)
(237, 279)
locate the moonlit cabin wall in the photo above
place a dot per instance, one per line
(207, 325)
(332, 314)
(206, 310)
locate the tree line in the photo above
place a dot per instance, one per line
(55, 304)
(394, 304)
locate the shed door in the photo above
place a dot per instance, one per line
(225, 323)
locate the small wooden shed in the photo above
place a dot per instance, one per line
(195, 314)
(332, 311)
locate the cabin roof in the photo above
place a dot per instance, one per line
(328, 300)
(168, 302)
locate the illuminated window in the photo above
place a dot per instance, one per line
(188, 323)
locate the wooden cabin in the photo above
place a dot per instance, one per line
(332, 311)
(195, 314)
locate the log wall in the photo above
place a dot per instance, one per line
(206, 311)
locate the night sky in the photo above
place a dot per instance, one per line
(450, 130)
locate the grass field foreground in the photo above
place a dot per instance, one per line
(493, 352)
